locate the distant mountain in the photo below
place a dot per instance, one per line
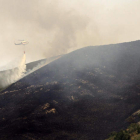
(84, 95)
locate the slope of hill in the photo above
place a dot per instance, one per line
(84, 95)
(32, 65)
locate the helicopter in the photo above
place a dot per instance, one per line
(22, 42)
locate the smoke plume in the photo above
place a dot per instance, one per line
(10, 76)
(60, 26)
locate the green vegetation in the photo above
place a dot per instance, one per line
(131, 133)
(122, 135)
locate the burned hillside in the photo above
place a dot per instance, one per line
(85, 94)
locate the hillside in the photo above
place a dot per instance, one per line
(84, 95)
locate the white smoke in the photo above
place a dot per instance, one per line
(10, 76)
(55, 27)
(41, 64)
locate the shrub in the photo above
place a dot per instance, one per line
(122, 135)
(134, 127)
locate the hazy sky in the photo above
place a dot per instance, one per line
(55, 27)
